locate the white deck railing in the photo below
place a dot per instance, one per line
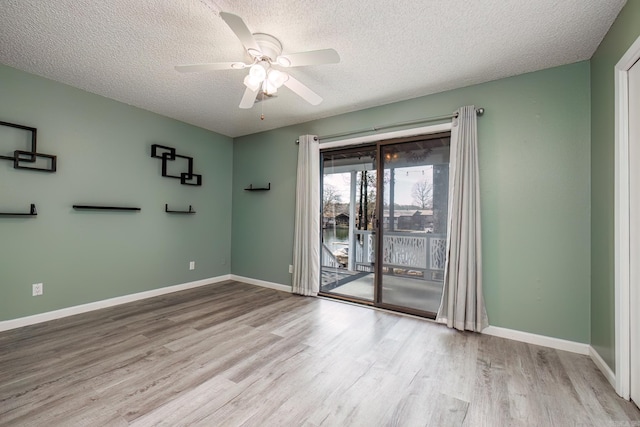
(328, 258)
(406, 251)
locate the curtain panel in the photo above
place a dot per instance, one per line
(306, 238)
(462, 305)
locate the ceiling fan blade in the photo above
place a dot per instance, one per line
(241, 30)
(302, 91)
(262, 97)
(313, 57)
(249, 98)
(196, 68)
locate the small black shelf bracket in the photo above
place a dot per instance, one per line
(250, 188)
(32, 212)
(105, 208)
(190, 211)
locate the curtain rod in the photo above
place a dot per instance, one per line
(479, 112)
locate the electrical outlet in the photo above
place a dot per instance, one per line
(192, 265)
(37, 289)
(290, 268)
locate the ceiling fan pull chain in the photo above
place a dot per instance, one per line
(262, 107)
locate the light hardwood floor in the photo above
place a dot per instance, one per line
(233, 354)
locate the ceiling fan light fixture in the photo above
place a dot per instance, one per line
(258, 71)
(251, 82)
(269, 88)
(277, 77)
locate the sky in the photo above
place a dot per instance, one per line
(405, 178)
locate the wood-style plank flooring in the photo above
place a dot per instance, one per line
(232, 354)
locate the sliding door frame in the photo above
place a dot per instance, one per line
(377, 292)
(352, 148)
(378, 140)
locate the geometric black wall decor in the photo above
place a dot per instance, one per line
(169, 154)
(20, 157)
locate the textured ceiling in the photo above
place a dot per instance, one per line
(390, 51)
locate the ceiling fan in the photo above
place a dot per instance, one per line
(266, 54)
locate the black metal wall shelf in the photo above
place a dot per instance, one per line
(168, 154)
(105, 208)
(32, 212)
(190, 211)
(250, 188)
(21, 158)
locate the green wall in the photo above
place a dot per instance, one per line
(534, 172)
(535, 169)
(103, 150)
(624, 31)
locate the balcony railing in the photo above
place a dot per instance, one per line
(328, 258)
(414, 254)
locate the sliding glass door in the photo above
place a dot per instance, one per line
(384, 223)
(349, 196)
(414, 228)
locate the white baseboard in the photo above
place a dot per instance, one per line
(602, 365)
(557, 343)
(264, 284)
(83, 308)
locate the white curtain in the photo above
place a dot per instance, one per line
(306, 238)
(462, 306)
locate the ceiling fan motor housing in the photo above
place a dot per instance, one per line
(270, 46)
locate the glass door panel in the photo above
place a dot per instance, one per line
(348, 214)
(415, 189)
